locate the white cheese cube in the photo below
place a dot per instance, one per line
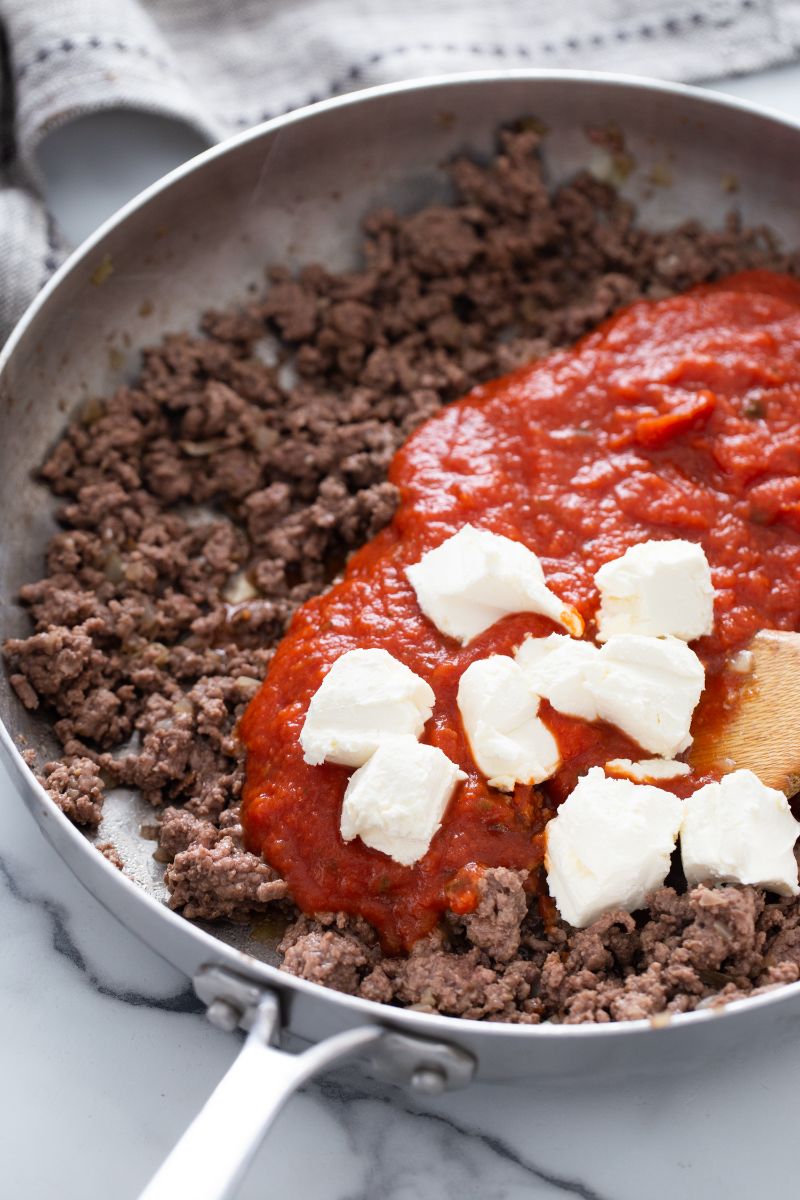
(556, 667)
(396, 801)
(656, 588)
(509, 743)
(366, 696)
(647, 770)
(475, 577)
(739, 831)
(648, 687)
(609, 846)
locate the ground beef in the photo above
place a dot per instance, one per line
(201, 505)
(109, 851)
(494, 927)
(221, 880)
(327, 958)
(705, 945)
(179, 829)
(435, 979)
(76, 787)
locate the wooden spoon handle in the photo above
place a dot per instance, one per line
(761, 730)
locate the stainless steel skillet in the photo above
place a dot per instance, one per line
(293, 191)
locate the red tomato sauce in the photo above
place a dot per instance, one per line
(676, 419)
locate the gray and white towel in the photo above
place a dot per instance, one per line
(223, 65)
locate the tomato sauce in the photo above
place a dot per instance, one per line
(677, 418)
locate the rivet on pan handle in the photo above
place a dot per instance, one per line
(211, 1158)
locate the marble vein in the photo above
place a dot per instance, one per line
(455, 1140)
(64, 944)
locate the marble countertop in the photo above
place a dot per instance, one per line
(107, 1055)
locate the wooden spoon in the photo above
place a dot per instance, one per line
(761, 731)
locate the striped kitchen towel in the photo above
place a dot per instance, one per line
(223, 65)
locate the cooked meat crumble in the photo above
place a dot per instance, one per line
(202, 505)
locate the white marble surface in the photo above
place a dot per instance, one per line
(106, 1056)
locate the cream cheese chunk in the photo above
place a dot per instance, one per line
(396, 801)
(366, 696)
(649, 688)
(647, 770)
(740, 831)
(658, 589)
(476, 577)
(509, 743)
(609, 846)
(556, 667)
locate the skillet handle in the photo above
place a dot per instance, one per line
(214, 1153)
(211, 1158)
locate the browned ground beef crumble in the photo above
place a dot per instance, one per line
(204, 504)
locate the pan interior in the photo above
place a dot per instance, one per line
(296, 194)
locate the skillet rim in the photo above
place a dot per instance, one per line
(134, 897)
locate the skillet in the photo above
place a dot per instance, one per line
(293, 191)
